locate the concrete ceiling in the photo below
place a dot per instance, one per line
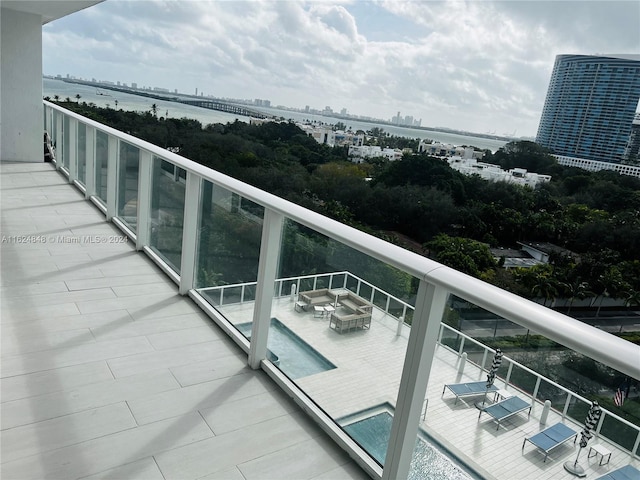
(49, 10)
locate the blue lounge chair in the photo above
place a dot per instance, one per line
(551, 437)
(469, 388)
(506, 408)
(623, 473)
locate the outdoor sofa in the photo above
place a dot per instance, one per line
(551, 437)
(325, 296)
(353, 312)
(350, 321)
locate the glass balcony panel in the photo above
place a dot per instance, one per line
(228, 252)
(621, 433)
(522, 379)
(167, 212)
(102, 158)
(128, 172)
(452, 340)
(338, 347)
(82, 153)
(557, 396)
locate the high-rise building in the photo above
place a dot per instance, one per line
(590, 106)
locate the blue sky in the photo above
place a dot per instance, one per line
(481, 66)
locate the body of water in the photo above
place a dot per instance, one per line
(135, 103)
(129, 102)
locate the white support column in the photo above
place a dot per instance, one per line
(267, 271)
(21, 84)
(90, 162)
(112, 177)
(72, 150)
(430, 304)
(190, 224)
(145, 172)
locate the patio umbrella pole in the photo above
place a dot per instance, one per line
(592, 420)
(491, 376)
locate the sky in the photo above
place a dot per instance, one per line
(479, 66)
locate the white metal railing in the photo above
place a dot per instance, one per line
(436, 281)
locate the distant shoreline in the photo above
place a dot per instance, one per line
(181, 97)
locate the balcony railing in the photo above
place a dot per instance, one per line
(221, 239)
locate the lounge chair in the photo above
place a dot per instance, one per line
(551, 437)
(623, 473)
(506, 408)
(468, 389)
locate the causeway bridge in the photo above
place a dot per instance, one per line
(225, 107)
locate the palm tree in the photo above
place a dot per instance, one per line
(56, 98)
(78, 97)
(611, 285)
(154, 110)
(546, 287)
(116, 102)
(578, 290)
(633, 298)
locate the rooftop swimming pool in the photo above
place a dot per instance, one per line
(289, 352)
(372, 428)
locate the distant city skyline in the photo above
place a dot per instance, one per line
(477, 66)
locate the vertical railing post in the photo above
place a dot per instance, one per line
(386, 307)
(507, 379)
(267, 270)
(59, 139)
(461, 349)
(72, 150)
(190, 224)
(566, 405)
(636, 445)
(112, 177)
(430, 304)
(90, 162)
(535, 389)
(145, 180)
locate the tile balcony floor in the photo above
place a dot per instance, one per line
(108, 373)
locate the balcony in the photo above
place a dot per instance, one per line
(142, 345)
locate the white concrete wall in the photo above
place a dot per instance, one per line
(21, 110)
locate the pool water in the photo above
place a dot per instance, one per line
(289, 352)
(429, 462)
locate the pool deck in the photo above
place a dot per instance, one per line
(369, 366)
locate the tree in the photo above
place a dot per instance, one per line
(154, 110)
(546, 287)
(56, 98)
(577, 289)
(611, 284)
(116, 102)
(78, 97)
(463, 254)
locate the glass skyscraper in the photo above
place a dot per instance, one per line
(590, 106)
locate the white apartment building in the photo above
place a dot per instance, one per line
(594, 166)
(359, 153)
(446, 149)
(488, 171)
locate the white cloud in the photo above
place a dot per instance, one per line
(480, 66)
